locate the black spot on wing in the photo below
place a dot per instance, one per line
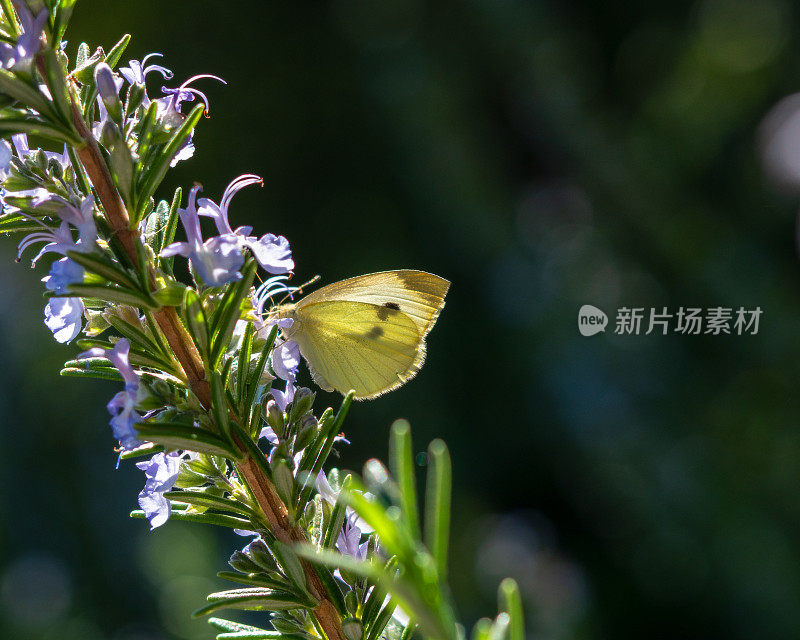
(385, 311)
(375, 332)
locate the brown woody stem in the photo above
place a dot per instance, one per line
(181, 343)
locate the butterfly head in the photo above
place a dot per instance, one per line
(279, 314)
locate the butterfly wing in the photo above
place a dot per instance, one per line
(358, 345)
(417, 294)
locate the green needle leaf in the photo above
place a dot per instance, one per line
(207, 500)
(243, 365)
(290, 563)
(58, 88)
(237, 630)
(252, 579)
(24, 93)
(219, 403)
(401, 459)
(229, 312)
(177, 436)
(99, 374)
(482, 629)
(111, 293)
(253, 599)
(103, 267)
(510, 601)
(202, 518)
(196, 321)
(117, 50)
(11, 17)
(147, 449)
(35, 126)
(437, 504)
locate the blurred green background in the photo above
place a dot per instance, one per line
(541, 155)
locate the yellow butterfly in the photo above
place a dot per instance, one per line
(366, 333)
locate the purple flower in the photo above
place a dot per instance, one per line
(20, 141)
(220, 212)
(272, 252)
(136, 72)
(118, 356)
(81, 218)
(123, 417)
(63, 317)
(161, 472)
(269, 434)
(218, 260)
(20, 55)
(56, 240)
(283, 398)
(60, 240)
(121, 406)
(286, 360)
(170, 106)
(63, 273)
(170, 115)
(5, 159)
(349, 540)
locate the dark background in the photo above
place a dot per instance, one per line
(541, 155)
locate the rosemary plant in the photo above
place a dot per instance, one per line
(210, 409)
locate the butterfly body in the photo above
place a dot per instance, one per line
(366, 333)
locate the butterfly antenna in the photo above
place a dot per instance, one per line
(300, 288)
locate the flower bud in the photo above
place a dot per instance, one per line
(55, 169)
(351, 602)
(275, 417)
(284, 481)
(286, 627)
(134, 98)
(108, 134)
(304, 435)
(353, 629)
(301, 405)
(104, 80)
(107, 89)
(41, 160)
(258, 552)
(242, 563)
(310, 512)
